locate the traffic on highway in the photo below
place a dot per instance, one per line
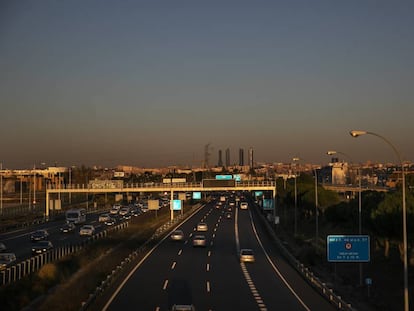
(76, 227)
(213, 261)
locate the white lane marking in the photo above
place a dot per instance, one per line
(173, 265)
(157, 309)
(208, 267)
(165, 285)
(274, 266)
(180, 252)
(209, 254)
(246, 274)
(208, 287)
(125, 280)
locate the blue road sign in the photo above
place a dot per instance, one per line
(224, 177)
(348, 248)
(176, 205)
(197, 195)
(268, 204)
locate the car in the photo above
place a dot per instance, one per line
(177, 235)
(199, 241)
(6, 259)
(104, 217)
(115, 209)
(244, 205)
(246, 255)
(136, 212)
(123, 211)
(68, 227)
(3, 247)
(87, 230)
(41, 247)
(110, 221)
(183, 308)
(127, 216)
(202, 226)
(39, 235)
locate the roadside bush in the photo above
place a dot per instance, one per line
(48, 272)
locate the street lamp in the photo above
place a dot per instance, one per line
(404, 211)
(332, 152)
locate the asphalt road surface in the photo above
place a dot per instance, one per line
(212, 278)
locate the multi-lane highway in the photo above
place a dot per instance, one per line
(18, 241)
(212, 278)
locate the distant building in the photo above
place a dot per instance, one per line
(227, 157)
(220, 158)
(241, 157)
(251, 161)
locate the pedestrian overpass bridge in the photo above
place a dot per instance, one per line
(209, 185)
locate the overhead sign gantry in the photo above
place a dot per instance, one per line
(207, 185)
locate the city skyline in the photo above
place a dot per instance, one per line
(150, 84)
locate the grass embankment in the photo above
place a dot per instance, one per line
(65, 284)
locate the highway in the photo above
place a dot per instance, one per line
(212, 278)
(18, 241)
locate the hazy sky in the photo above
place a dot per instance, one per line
(150, 83)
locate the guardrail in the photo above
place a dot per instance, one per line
(142, 249)
(22, 269)
(306, 273)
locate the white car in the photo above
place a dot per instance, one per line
(199, 241)
(123, 211)
(202, 226)
(246, 255)
(244, 205)
(87, 230)
(104, 217)
(115, 209)
(177, 235)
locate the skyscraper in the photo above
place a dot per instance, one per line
(227, 157)
(241, 157)
(251, 162)
(220, 158)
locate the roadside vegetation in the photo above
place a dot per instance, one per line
(381, 219)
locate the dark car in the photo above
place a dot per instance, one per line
(41, 247)
(68, 227)
(110, 222)
(39, 235)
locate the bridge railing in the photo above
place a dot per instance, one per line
(152, 185)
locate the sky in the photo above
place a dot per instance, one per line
(151, 83)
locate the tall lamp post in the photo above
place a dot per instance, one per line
(359, 203)
(357, 133)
